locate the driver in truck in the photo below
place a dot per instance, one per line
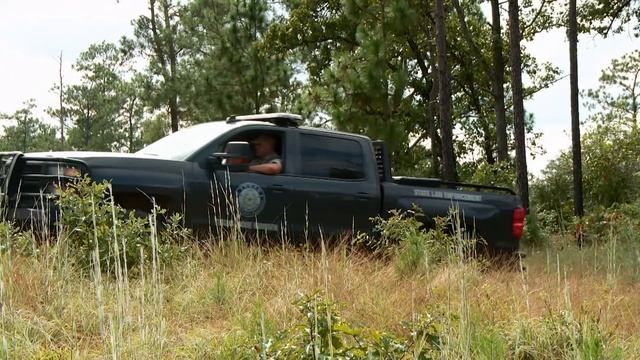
(267, 160)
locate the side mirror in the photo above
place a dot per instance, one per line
(236, 157)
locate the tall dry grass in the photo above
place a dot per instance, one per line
(225, 297)
(219, 295)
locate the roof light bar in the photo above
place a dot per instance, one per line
(280, 119)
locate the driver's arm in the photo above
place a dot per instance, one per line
(271, 168)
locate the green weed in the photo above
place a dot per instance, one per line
(93, 225)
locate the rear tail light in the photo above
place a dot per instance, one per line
(519, 215)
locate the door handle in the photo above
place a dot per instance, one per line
(361, 195)
(279, 188)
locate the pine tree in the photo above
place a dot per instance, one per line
(522, 180)
(578, 206)
(498, 82)
(444, 95)
(25, 132)
(102, 108)
(159, 37)
(616, 100)
(230, 72)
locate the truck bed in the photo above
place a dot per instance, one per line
(486, 211)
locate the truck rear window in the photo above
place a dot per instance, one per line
(330, 157)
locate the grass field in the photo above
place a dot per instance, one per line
(230, 299)
(109, 285)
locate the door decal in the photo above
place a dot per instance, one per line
(251, 199)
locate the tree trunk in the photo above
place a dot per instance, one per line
(131, 125)
(173, 114)
(168, 60)
(497, 80)
(634, 102)
(522, 181)
(444, 96)
(87, 127)
(497, 83)
(61, 115)
(173, 64)
(578, 207)
(436, 150)
(430, 114)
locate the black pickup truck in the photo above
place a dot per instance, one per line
(330, 181)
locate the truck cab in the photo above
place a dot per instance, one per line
(328, 181)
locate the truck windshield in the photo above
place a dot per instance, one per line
(182, 144)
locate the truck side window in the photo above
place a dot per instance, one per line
(251, 137)
(330, 157)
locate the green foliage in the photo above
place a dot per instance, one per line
(488, 342)
(552, 193)
(615, 100)
(228, 72)
(534, 231)
(403, 237)
(154, 129)
(12, 239)
(322, 334)
(393, 230)
(370, 67)
(606, 17)
(619, 223)
(494, 174)
(610, 146)
(104, 108)
(159, 36)
(8, 235)
(361, 70)
(611, 160)
(26, 132)
(95, 228)
(610, 174)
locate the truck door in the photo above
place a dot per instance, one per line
(252, 200)
(337, 189)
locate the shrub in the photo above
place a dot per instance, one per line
(620, 222)
(322, 333)
(95, 228)
(404, 237)
(12, 239)
(534, 233)
(8, 234)
(611, 174)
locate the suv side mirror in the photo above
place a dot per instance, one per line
(236, 157)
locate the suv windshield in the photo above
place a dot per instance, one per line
(182, 144)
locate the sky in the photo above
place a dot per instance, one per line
(33, 33)
(551, 107)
